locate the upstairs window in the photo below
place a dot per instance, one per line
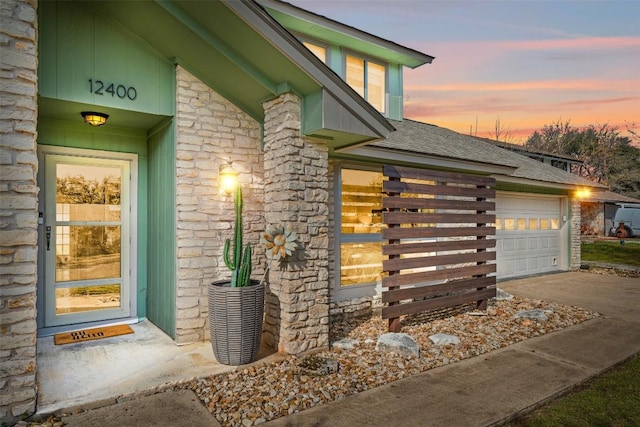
(317, 50)
(368, 78)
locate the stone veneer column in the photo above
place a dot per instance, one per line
(296, 194)
(210, 130)
(18, 208)
(576, 221)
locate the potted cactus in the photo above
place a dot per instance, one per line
(236, 306)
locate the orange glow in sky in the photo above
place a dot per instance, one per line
(527, 63)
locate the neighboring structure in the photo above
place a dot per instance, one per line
(598, 211)
(125, 221)
(565, 163)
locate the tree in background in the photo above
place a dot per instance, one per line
(608, 157)
(502, 133)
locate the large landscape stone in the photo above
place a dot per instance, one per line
(398, 343)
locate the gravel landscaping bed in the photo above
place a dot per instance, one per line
(256, 394)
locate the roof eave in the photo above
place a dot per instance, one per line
(260, 20)
(410, 57)
(410, 157)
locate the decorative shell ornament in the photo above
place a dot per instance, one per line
(279, 242)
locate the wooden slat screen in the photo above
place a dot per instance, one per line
(437, 241)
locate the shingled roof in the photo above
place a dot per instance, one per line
(426, 139)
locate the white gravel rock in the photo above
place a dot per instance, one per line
(267, 392)
(444, 339)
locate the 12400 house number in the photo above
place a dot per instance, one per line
(101, 88)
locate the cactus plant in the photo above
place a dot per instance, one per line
(240, 263)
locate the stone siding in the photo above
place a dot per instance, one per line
(576, 222)
(18, 208)
(210, 131)
(297, 195)
(592, 214)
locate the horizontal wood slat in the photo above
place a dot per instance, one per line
(425, 291)
(394, 311)
(452, 202)
(432, 175)
(435, 260)
(443, 274)
(422, 233)
(391, 202)
(437, 246)
(436, 190)
(430, 218)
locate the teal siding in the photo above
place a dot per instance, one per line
(395, 92)
(161, 309)
(77, 45)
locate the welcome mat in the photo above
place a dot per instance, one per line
(91, 334)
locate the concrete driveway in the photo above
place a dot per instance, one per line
(617, 297)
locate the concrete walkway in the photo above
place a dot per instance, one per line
(482, 391)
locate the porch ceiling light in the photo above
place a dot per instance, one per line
(228, 178)
(94, 119)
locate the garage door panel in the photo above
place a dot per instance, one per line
(528, 234)
(508, 245)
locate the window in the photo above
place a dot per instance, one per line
(360, 225)
(317, 50)
(368, 78)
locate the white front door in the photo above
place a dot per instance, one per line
(86, 239)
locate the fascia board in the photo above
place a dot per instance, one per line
(263, 23)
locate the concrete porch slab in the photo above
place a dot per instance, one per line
(97, 373)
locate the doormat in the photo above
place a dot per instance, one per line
(91, 334)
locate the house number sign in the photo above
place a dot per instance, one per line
(105, 88)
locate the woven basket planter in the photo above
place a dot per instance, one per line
(235, 321)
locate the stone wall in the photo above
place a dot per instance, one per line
(576, 221)
(18, 208)
(592, 214)
(296, 194)
(210, 131)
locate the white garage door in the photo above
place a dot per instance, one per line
(528, 233)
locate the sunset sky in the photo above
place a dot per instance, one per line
(526, 63)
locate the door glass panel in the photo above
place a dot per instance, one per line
(88, 259)
(87, 252)
(87, 298)
(88, 193)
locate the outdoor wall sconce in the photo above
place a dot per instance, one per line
(228, 178)
(94, 119)
(583, 193)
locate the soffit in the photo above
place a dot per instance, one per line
(214, 44)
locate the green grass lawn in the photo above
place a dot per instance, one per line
(613, 252)
(612, 399)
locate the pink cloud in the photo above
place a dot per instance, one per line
(584, 84)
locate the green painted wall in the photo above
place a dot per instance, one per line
(79, 135)
(81, 51)
(78, 44)
(162, 226)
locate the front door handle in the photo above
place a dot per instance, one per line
(48, 236)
